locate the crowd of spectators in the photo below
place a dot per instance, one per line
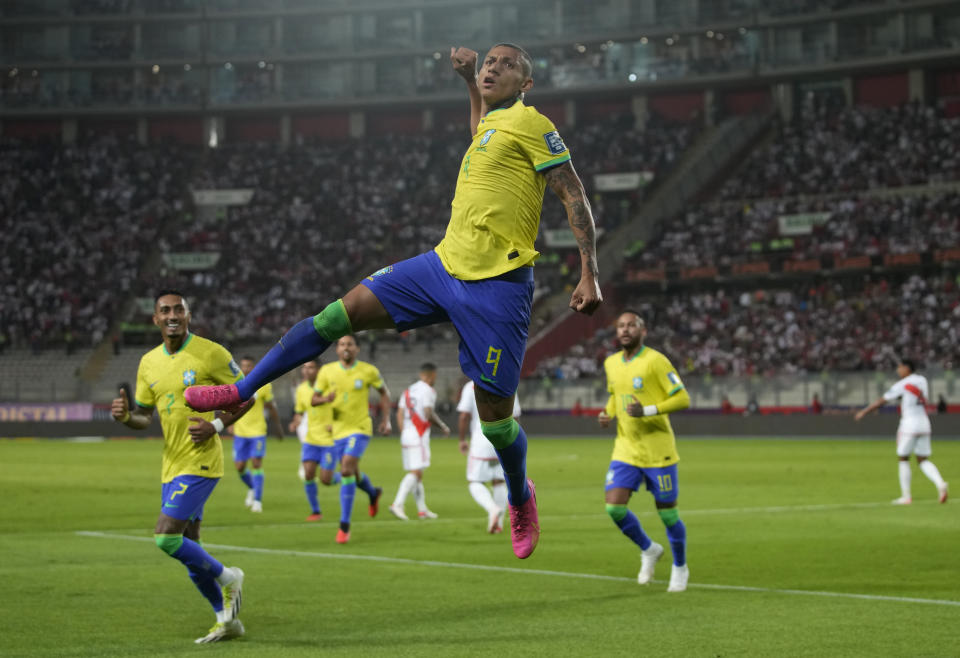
(76, 222)
(44, 89)
(814, 327)
(853, 149)
(723, 234)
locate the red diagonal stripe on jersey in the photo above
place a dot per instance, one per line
(419, 423)
(911, 388)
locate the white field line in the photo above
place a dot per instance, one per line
(528, 572)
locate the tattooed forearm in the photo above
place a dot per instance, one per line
(563, 180)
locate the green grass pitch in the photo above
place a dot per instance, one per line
(794, 550)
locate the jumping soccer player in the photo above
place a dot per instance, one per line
(480, 276)
(192, 453)
(350, 381)
(913, 433)
(250, 439)
(482, 465)
(415, 415)
(644, 388)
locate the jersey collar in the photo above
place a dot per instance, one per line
(189, 338)
(623, 354)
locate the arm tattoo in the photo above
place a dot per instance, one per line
(565, 183)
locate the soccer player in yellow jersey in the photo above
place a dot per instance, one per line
(192, 454)
(480, 276)
(250, 439)
(644, 388)
(302, 397)
(350, 380)
(317, 447)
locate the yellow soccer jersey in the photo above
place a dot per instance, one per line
(254, 423)
(319, 420)
(496, 208)
(302, 397)
(351, 413)
(650, 378)
(161, 380)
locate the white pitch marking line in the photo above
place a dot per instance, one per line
(529, 572)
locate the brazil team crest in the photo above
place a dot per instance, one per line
(638, 382)
(381, 272)
(189, 377)
(358, 384)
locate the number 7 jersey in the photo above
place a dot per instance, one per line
(161, 380)
(649, 377)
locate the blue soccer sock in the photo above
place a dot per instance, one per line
(306, 340)
(258, 484)
(348, 489)
(676, 533)
(629, 525)
(510, 442)
(190, 553)
(247, 478)
(310, 487)
(364, 484)
(210, 589)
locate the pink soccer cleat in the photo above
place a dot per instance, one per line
(525, 525)
(225, 397)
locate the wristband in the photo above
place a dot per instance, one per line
(217, 425)
(126, 417)
(650, 410)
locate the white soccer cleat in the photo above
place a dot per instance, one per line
(902, 500)
(942, 492)
(222, 630)
(250, 499)
(426, 514)
(256, 507)
(678, 578)
(648, 562)
(493, 521)
(398, 512)
(232, 593)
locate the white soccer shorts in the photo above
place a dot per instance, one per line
(483, 470)
(913, 443)
(416, 457)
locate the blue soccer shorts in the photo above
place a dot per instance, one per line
(184, 496)
(661, 482)
(325, 456)
(354, 445)
(245, 448)
(492, 315)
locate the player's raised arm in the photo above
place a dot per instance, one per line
(565, 183)
(464, 63)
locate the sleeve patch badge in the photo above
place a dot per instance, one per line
(234, 368)
(672, 376)
(486, 136)
(554, 143)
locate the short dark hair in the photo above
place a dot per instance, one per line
(525, 60)
(167, 291)
(428, 367)
(910, 363)
(248, 358)
(352, 336)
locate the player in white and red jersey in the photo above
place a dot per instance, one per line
(913, 434)
(415, 415)
(482, 464)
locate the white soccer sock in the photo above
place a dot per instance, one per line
(226, 576)
(500, 498)
(420, 496)
(407, 484)
(904, 479)
(931, 471)
(482, 495)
